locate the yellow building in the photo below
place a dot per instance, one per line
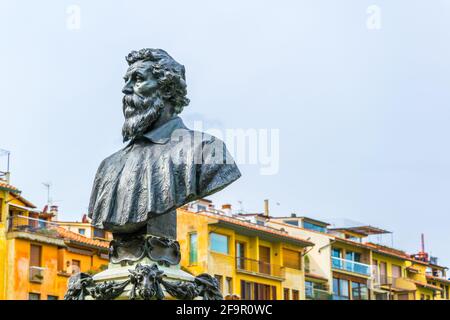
(317, 262)
(249, 260)
(386, 273)
(38, 256)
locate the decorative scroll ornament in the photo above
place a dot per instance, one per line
(164, 251)
(147, 283)
(128, 250)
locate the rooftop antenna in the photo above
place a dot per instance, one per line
(7, 154)
(48, 186)
(241, 206)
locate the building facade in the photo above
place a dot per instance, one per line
(250, 261)
(37, 255)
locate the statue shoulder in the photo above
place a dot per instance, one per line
(111, 160)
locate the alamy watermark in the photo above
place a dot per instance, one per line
(373, 21)
(73, 18)
(214, 146)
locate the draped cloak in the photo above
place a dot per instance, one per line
(157, 173)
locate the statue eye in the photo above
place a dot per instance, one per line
(139, 78)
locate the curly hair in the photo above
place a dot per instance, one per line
(169, 74)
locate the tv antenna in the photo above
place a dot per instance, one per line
(48, 185)
(6, 153)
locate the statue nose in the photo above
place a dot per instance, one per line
(127, 89)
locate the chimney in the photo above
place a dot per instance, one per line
(266, 207)
(293, 215)
(422, 240)
(54, 212)
(227, 209)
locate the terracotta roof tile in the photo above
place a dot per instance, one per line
(437, 278)
(5, 185)
(427, 285)
(72, 236)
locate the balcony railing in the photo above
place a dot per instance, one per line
(259, 267)
(338, 297)
(316, 293)
(391, 282)
(36, 274)
(351, 266)
(33, 225)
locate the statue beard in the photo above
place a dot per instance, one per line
(140, 114)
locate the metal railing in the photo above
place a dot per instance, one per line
(338, 297)
(316, 293)
(36, 274)
(383, 280)
(259, 267)
(351, 266)
(33, 225)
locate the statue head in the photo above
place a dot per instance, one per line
(155, 86)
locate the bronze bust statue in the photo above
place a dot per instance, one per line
(163, 165)
(137, 190)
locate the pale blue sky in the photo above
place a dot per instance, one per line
(363, 114)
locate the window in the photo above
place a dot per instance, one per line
(34, 296)
(336, 253)
(295, 295)
(291, 222)
(1, 207)
(257, 291)
(192, 248)
(340, 288)
(291, 259)
(201, 208)
(219, 243)
(35, 255)
(309, 289)
(246, 290)
(396, 271)
(76, 266)
(99, 233)
(353, 256)
(307, 264)
(383, 273)
(228, 285)
(375, 269)
(82, 231)
(219, 279)
(314, 227)
(240, 255)
(359, 291)
(286, 294)
(49, 297)
(264, 260)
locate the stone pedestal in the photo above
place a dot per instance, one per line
(147, 268)
(121, 274)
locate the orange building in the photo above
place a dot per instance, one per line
(37, 255)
